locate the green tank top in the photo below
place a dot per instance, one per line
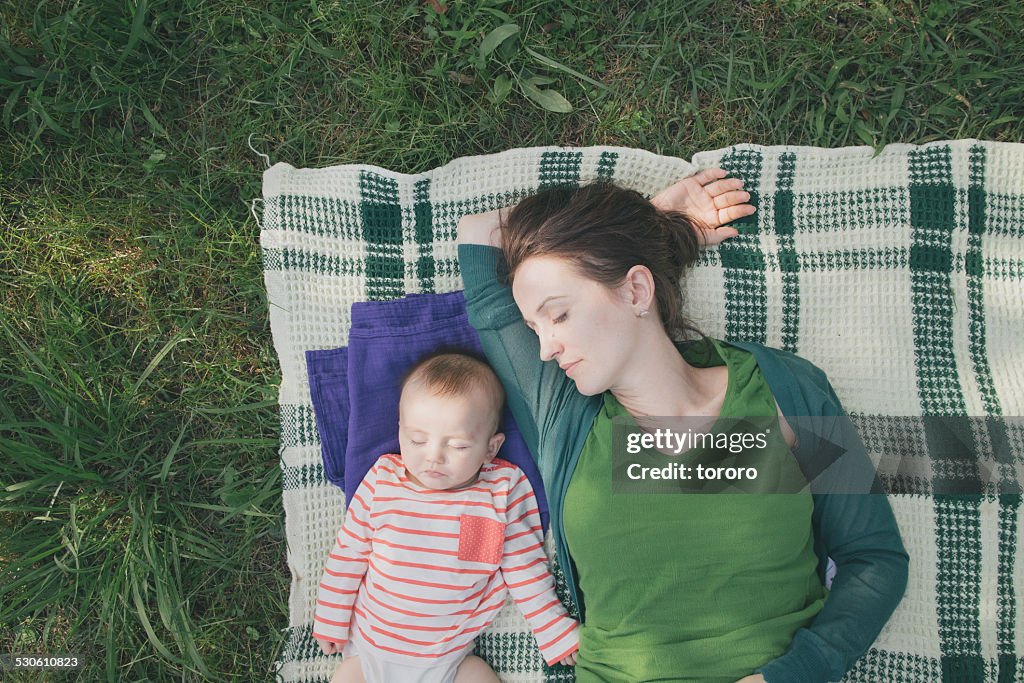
(689, 586)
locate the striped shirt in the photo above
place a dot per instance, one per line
(421, 572)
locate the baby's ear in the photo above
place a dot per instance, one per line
(494, 445)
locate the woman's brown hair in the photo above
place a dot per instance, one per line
(604, 230)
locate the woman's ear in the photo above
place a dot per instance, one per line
(639, 284)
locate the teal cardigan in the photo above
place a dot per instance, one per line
(857, 530)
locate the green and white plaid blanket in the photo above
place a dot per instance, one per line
(899, 274)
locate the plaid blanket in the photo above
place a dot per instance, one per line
(900, 274)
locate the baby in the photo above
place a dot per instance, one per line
(435, 538)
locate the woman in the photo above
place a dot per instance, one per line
(678, 587)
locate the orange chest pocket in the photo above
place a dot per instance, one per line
(480, 539)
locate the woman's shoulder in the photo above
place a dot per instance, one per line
(799, 386)
(773, 356)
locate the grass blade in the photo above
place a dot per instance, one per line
(547, 61)
(161, 354)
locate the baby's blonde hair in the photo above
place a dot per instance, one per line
(448, 372)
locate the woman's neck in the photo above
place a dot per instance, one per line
(659, 382)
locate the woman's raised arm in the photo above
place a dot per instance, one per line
(481, 228)
(707, 196)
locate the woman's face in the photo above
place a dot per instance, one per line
(588, 329)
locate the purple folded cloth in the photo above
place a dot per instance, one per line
(355, 391)
(328, 387)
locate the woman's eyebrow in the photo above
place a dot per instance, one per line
(545, 302)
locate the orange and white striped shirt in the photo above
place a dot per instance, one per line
(421, 572)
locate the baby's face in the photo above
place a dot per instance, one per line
(445, 439)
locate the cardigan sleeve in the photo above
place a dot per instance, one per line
(854, 525)
(544, 402)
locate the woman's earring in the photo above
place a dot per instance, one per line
(642, 313)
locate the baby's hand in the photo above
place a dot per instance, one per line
(329, 646)
(570, 659)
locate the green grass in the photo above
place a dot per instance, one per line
(140, 490)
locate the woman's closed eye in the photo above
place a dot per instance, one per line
(560, 319)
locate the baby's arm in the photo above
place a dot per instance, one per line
(344, 571)
(529, 580)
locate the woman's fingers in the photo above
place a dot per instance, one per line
(710, 238)
(709, 197)
(732, 198)
(709, 175)
(731, 213)
(723, 186)
(713, 236)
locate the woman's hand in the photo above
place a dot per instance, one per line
(710, 198)
(569, 659)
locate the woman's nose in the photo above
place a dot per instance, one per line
(549, 346)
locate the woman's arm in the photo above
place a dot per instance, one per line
(481, 228)
(543, 400)
(854, 525)
(708, 197)
(871, 576)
